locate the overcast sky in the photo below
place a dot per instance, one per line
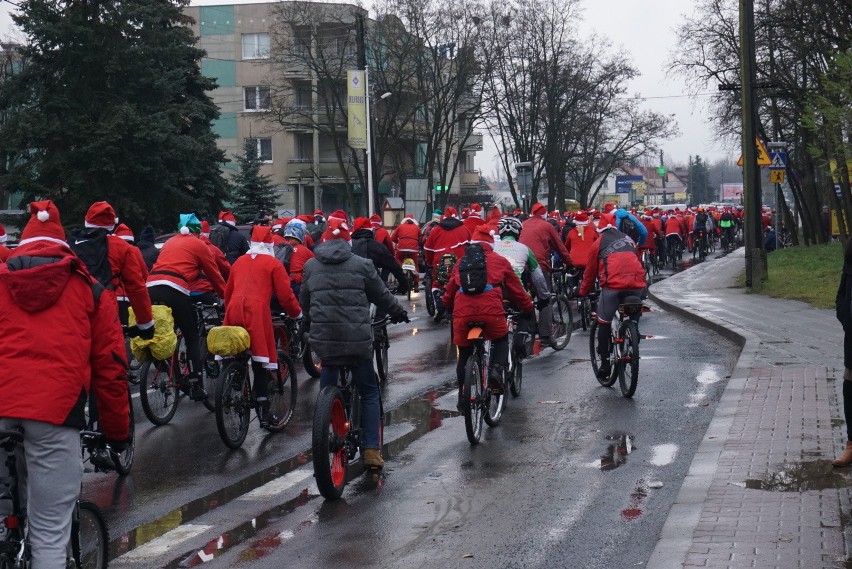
(646, 31)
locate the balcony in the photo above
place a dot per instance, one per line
(469, 179)
(473, 142)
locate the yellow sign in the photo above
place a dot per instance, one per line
(680, 196)
(763, 158)
(356, 108)
(835, 224)
(776, 176)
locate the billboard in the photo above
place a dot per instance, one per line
(356, 108)
(626, 184)
(732, 192)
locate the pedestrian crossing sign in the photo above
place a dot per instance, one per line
(763, 158)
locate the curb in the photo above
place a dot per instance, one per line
(677, 533)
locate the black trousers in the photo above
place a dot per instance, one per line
(183, 311)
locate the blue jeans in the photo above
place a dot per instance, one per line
(364, 378)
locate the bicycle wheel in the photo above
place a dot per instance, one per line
(410, 278)
(628, 361)
(89, 545)
(585, 313)
(517, 378)
(233, 408)
(563, 323)
(158, 391)
(209, 375)
(283, 389)
(328, 443)
(496, 405)
(124, 460)
(473, 395)
(596, 358)
(311, 361)
(380, 347)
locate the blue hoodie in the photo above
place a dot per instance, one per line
(621, 213)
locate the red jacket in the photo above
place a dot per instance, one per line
(406, 237)
(201, 283)
(300, 256)
(540, 236)
(180, 260)
(674, 226)
(489, 304)
(653, 233)
(449, 236)
(254, 279)
(4, 253)
(472, 222)
(381, 235)
(613, 258)
(579, 246)
(129, 274)
(59, 344)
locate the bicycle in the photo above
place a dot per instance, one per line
(479, 403)
(584, 305)
(623, 347)
(515, 370)
(410, 270)
(674, 245)
(562, 320)
(699, 249)
(336, 435)
(443, 273)
(162, 383)
(235, 398)
(88, 546)
(292, 337)
(427, 289)
(381, 343)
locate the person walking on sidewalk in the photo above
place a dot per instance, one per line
(844, 314)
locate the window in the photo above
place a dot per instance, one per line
(264, 149)
(257, 98)
(256, 46)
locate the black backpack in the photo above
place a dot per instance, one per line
(283, 254)
(628, 227)
(93, 250)
(220, 236)
(472, 271)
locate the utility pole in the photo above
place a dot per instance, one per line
(755, 256)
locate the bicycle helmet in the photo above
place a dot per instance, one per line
(296, 229)
(509, 226)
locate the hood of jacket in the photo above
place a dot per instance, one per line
(333, 252)
(37, 273)
(364, 234)
(147, 234)
(450, 223)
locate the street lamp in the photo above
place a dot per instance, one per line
(370, 202)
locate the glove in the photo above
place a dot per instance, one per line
(118, 446)
(147, 333)
(400, 317)
(542, 303)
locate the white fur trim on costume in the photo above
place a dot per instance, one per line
(93, 226)
(3, 238)
(145, 326)
(43, 215)
(34, 239)
(127, 238)
(336, 232)
(581, 223)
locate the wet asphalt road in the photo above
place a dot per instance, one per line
(567, 479)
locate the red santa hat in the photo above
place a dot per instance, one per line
(409, 219)
(101, 215)
(227, 217)
(538, 209)
(319, 213)
(339, 214)
(306, 218)
(337, 229)
(205, 228)
(451, 212)
(261, 234)
(476, 209)
(582, 218)
(126, 233)
(375, 220)
(465, 212)
(483, 234)
(607, 221)
(3, 236)
(608, 208)
(362, 223)
(44, 224)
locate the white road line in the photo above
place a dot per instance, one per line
(279, 485)
(165, 542)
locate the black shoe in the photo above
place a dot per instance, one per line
(462, 403)
(605, 370)
(545, 342)
(496, 379)
(264, 416)
(197, 391)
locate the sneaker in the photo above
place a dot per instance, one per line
(462, 403)
(604, 370)
(373, 458)
(496, 379)
(545, 341)
(264, 417)
(197, 391)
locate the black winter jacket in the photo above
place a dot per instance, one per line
(364, 244)
(337, 289)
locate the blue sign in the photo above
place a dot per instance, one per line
(779, 160)
(625, 184)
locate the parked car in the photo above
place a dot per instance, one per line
(161, 239)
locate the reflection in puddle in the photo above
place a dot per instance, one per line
(661, 455)
(708, 376)
(800, 477)
(616, 453)
(634, 511)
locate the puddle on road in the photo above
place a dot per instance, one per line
(419, 413)
(616, 453)
(442, 354)
(662, 455)
(634, 511)
(800, 477)
(709, 375)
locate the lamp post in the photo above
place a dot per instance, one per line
(370, 201)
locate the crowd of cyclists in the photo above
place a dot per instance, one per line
(325, 270)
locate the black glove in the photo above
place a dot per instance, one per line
(118, 446)
(542, 303)
(400, 317)
(146, 334)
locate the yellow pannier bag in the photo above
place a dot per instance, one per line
(164, 342)
(228, 340)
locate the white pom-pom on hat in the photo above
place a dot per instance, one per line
(492, 233)
(43, 215)
(336, 232)
(184, 230)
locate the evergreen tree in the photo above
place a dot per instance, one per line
(112, 105)
(699, 190)
(252, 192)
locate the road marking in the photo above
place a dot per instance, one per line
(279, 485)
(165, 542)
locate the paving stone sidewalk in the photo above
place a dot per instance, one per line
(761, 491)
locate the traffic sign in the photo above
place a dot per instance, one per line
(779, 160)
(776, 176)
(763, 158)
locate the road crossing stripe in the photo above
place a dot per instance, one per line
(165, 542)
(279, 485)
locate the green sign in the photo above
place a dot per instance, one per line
(661, 171)
(439, 188)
